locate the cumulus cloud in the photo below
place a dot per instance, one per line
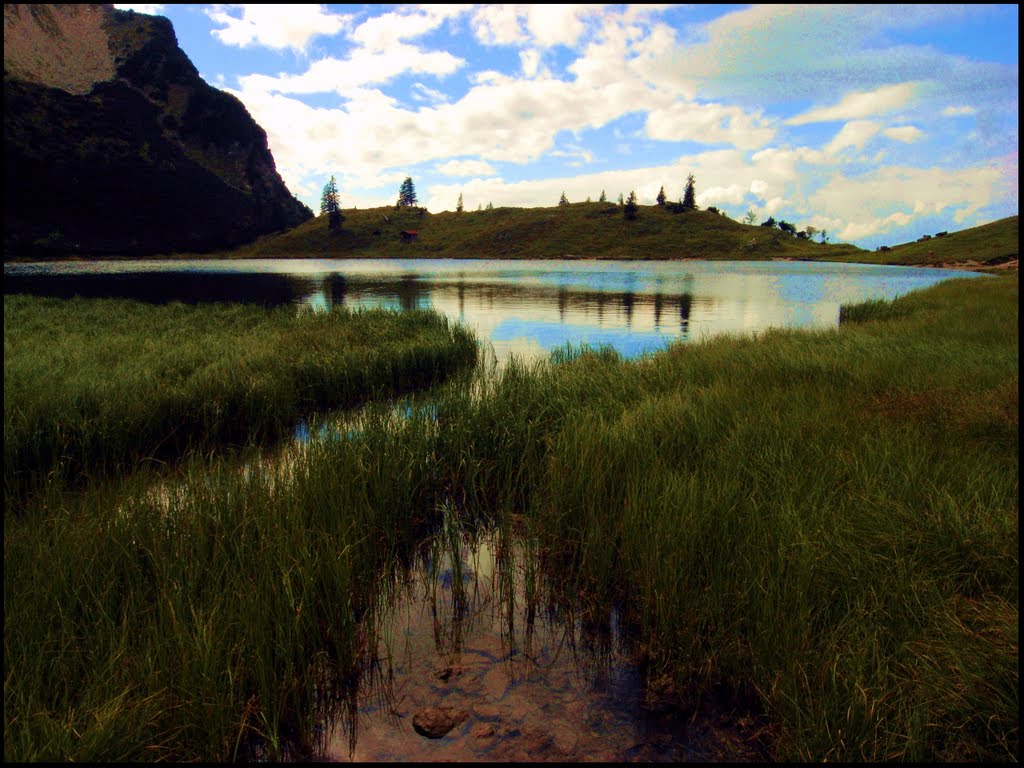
(542, 25)
(880, 101)
(734, 194)
(498, 25)
(905, 133)
(274, 26)
(466, 168)
(874, 202)
(854, 134)
(708, 124)
(958, 111)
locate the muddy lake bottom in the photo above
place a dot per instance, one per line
(541, 689)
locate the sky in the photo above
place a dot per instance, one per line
(877, 123)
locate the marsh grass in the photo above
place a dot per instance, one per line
(821, 524)
(95, 386)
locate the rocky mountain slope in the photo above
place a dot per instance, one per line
(113, 144)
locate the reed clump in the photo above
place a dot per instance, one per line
(96, 386)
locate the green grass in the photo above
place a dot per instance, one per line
(599, 230)
(823, 524)
(995, 242)
(581, 230)
(92, 386)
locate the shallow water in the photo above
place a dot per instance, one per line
(530, 684)
(525, 308)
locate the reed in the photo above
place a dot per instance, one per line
(96, 386)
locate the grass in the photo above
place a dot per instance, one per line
(992, 244)
(822, 524)
(599, 230)
(581, 230)
(93, 386)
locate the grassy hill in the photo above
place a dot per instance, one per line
(599, 230)
(578, 230)
(988, 245)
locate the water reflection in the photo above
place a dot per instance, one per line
(522, 307)
(477, 631)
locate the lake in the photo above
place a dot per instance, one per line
(525, 308)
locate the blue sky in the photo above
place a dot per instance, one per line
(877, 123)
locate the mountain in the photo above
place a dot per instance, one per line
(113, 144)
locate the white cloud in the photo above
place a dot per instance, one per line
(420, 92)
(384, 32)
(888, 98)
(274, 26)
(530, 60)
(363, 67)
(708, 124)
(874, 202)
(543, 25)
(734, 194)
(466, 168)
(498, 25)
(150, 9)
(854, 134)
(554, 24)
(958, 111)
(905, 133)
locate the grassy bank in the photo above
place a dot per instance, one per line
(821, 526)
(96, 385)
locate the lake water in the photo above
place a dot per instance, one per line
(526, 308)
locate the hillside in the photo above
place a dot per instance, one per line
(113, 144)
(989, 245)
(578, 230)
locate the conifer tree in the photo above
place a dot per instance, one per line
(661, 196)
(689, 195)
(458, 206)
(631, 207)
(330, 205)
(407, 192)
(564, 200)
(602, 198)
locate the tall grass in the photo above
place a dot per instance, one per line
(822, 523)
(92, 386)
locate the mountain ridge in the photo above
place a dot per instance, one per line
(113, 144)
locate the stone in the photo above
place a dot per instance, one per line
(483, 731)
(435, 722)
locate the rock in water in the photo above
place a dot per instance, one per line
(435, 722)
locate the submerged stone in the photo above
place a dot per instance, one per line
(435, 722)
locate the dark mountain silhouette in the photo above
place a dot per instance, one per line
(113, 144)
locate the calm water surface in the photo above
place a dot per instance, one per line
(525, 308)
